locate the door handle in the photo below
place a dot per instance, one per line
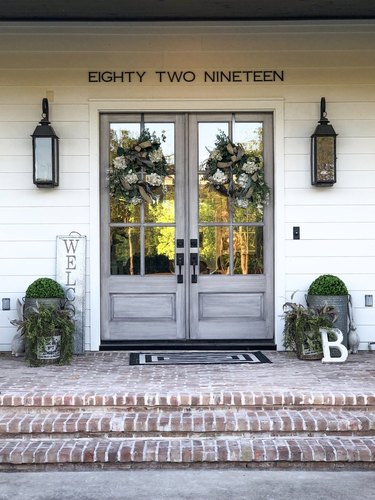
(194, 263)
(180, 262)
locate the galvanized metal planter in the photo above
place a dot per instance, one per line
(51, 352)
(30, 304)
(308, 354)
(340, 303)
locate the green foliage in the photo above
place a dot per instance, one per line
(40, 325)
(327, 284)
(302, 324)
(44, 288)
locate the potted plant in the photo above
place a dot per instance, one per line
(48, 333)
(331, 290)
(44, 291)
(302, 328)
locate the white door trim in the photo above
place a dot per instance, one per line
(96, 106)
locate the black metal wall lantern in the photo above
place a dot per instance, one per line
(323, 151)
(45, 152)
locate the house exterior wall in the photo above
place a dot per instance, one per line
(62, 62)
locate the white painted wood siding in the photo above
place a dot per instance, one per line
(335, 60)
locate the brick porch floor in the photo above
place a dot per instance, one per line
(109, 373)
(101, 411)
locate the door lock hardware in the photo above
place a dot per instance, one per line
(180, 243)
(194, 263)
(180, 262)
(194, 243)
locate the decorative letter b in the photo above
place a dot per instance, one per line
(337, 344)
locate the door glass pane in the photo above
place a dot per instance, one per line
(248, 250)
(159, 250)
(207, 132)
(213, 207)
(164, 210)
(214, 250)
(250, 214)
(125, 250)
(120, 133)
(250, 135)
(125, 213)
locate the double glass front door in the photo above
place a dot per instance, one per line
(192, 265)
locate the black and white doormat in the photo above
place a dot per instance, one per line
(197, 358)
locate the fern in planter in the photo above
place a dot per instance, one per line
(41, 325)
(302, 328)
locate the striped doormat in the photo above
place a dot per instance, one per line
(197, 358)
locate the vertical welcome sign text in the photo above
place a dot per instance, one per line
(70, 273)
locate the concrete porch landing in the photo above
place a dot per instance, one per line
(101, 412)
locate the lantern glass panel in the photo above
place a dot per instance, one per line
(43, 159)
(325, 159)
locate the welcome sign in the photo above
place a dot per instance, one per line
(70, 273)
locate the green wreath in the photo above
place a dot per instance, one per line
(137, 173)
(237, 174)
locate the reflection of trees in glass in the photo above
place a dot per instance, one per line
(248, 250)
(214, 249)
(125, 244)
(160, 241)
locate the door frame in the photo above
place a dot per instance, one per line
(96, 107)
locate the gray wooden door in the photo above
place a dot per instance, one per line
(192, 266)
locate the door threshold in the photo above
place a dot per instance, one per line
(188, 345)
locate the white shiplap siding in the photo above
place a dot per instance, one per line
(31, 217)
(335, 60)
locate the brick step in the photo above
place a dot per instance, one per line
(187, 423)
(238, 399)
(273, 450)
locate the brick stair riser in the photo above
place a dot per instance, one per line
(254, 400)
(240, 423)
(189, 451)
(215, 429)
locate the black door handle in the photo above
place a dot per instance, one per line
(194, 263)
(180, 262)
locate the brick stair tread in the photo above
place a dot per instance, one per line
(198, 421)
(225, 398)
(176, 450)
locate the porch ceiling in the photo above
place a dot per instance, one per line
(165, 10)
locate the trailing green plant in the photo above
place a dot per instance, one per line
(302, 326)
(43, 288)
(327, 284)
(40, 325)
